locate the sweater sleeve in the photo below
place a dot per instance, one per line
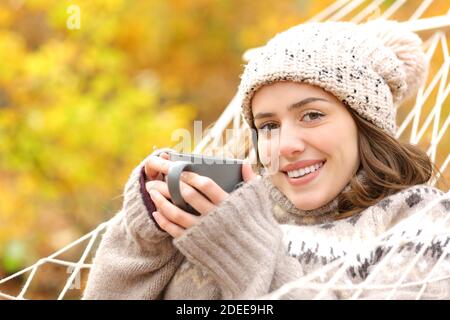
(135, 259)
(240, 244)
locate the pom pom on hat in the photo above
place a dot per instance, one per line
(407, 47)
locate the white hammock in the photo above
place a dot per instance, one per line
(420, 123)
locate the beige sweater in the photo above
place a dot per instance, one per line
(253, 243)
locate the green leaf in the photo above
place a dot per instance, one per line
(14, 256)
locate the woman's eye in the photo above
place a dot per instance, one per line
(268, 126)
(313, 116)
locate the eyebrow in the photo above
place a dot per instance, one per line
(290, 108)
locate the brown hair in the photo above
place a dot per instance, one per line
(390, 166)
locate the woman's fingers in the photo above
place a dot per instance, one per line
(157, 164)
(158, 185)
(205, 185)
(171, 228)
(189, 194)
(195, 199)
(171, 212)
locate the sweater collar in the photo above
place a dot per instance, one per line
(325, 213)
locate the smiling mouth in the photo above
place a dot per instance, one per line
(304, 173)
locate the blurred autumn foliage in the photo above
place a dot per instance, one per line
(81, 107)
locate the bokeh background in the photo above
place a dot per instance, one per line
(79, 108)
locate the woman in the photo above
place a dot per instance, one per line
(334, 181)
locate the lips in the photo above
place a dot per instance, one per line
(301, 164)
(305, 179)
(304, 171)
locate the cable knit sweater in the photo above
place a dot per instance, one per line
(256, 241)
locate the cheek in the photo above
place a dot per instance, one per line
(332, 143)
(343, 144)
(326, 141)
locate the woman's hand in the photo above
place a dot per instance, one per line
(175, 220)
(155, 167)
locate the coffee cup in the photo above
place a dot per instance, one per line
(226, 172)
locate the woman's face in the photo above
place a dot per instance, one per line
(299, 122)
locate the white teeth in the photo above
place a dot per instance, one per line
(304, 171)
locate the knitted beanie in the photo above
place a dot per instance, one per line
(370, 67)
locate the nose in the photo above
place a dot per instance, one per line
(291, 143)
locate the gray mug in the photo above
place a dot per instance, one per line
(226, 172)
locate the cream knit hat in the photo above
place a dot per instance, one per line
(370, 67)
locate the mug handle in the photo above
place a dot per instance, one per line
(173, 182)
